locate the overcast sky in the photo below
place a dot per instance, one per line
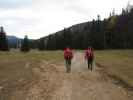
(37, 18)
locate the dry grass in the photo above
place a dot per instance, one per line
(118, 63)
(16, 69)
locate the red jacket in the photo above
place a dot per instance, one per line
(89, 54)
(68, 54)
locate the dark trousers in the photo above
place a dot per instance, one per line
(90, 64)
(68, 65)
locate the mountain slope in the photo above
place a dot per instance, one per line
(13, 41)
(114, 32)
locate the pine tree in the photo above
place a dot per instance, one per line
(25, 44)
(67, 37)
(3, 40)
(41, 44)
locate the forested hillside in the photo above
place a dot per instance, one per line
(115, 32)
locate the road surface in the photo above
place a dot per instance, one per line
(82, 84)
(53, 83)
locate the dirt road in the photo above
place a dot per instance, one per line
(53, 83)
(82, 84)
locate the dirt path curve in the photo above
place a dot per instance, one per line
(82, 84)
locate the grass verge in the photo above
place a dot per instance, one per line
(118, 63)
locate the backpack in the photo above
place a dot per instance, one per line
(68, 54)
(89, 54)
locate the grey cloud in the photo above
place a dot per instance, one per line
(72, 5)
(78, 9)
(17, 25)
(16, 21)
(11, 4)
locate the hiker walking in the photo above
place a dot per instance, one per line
(68, 55)
(89, 56)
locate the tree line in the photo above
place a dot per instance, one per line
(115, 32)
(4, 45)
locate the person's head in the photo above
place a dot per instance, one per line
(67, 47)
(89, 47)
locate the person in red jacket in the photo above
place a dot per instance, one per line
(68, 55)
(89, 56)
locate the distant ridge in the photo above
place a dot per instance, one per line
(13, 41)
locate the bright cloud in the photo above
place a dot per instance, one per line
(38, 18)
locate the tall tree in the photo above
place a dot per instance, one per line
(51, 44)
(3, 40)
(41, 44)
(67, 37)
(25, 44)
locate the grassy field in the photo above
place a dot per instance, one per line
(16, 69)
(118, 63)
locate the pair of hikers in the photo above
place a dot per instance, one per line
(68, 55)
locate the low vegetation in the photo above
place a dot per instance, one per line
(117, 63)
(16, 69)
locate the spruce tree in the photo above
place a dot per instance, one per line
(41, 44)
(25, 47)
(3, 40)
